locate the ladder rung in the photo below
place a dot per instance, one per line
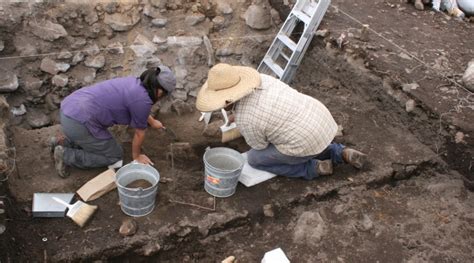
(274, 66)
(285, 56)
(287, 41)
(302, 16)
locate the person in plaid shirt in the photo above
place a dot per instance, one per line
(290, 133)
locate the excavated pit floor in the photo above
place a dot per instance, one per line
(406, 205)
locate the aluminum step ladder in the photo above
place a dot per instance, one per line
(288, 48)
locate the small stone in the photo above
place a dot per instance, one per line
(52, 67)
(405, 56)
(78, 43)
(60, 80)
(92, 50)
(8, 82)
(338, 209)
(129, 227)
(115, 48)
(367, 223)
(2, 45)
(64, 54)
(91, 17)
(160, 4)
(150, 11)
(19, 111)
(79, 57)
(268, 210)
(459, 137)
(410, 105)
(95, 62)
(224, 8)
(219, 22)
(224, 52)
(159, 40)
(468, 76)
(410, 87)
(194, 19)
(322, 33)
(111, 7)
(159, 22)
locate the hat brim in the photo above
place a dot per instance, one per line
(212, 100)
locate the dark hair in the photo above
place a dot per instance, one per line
(150, 82)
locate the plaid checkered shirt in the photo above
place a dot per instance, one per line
(297, 124)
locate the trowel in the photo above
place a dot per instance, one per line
(171, 134)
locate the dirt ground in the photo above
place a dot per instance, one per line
(408, 205)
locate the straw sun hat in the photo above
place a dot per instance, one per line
(226, 84)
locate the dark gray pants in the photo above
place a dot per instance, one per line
(83, 150)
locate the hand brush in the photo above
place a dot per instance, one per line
(79, 212)
(229, 130)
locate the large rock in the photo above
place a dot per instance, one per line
(8, 82)
(47, 30)
(143, 47)
(258, 16)
(122, 22)
(224, 8)
(150, 11)
(310, 229)
(37, 119)
(468, 77)
(95, 62)
(52, 67)
(184, 41)
(194, 19)
(60, 80)
(78, 58)
(82, 76)
(161, 4)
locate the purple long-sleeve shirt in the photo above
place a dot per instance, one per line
(117, 101)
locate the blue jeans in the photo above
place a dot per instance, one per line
(273, 161)
(83, 150)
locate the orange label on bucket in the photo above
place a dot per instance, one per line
(212, 180)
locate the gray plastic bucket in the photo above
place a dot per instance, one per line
(222, 168)
(137, 201)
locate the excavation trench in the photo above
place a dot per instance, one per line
(393, 210)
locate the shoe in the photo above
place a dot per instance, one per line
(354, 157)
(324, 168)
(59, 162)
(54, 141)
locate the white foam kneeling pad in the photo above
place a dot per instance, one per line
(251, 176)
(275, 256)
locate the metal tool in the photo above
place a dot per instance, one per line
(171, 134)
(285, 55)
(45, 206)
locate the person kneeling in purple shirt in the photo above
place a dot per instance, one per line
(87, 113)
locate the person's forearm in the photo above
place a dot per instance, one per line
(137, 142)
(150, 120)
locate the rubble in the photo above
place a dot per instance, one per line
(122, 22)
(95, 62)
(37, 119)
(258, 16)
(8, 82)
(129, 227)
(52, 67)
(143, 47)
(60, 80)
(468, 76)
(47, 30)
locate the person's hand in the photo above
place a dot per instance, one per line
(144, 159)
(156, 124)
